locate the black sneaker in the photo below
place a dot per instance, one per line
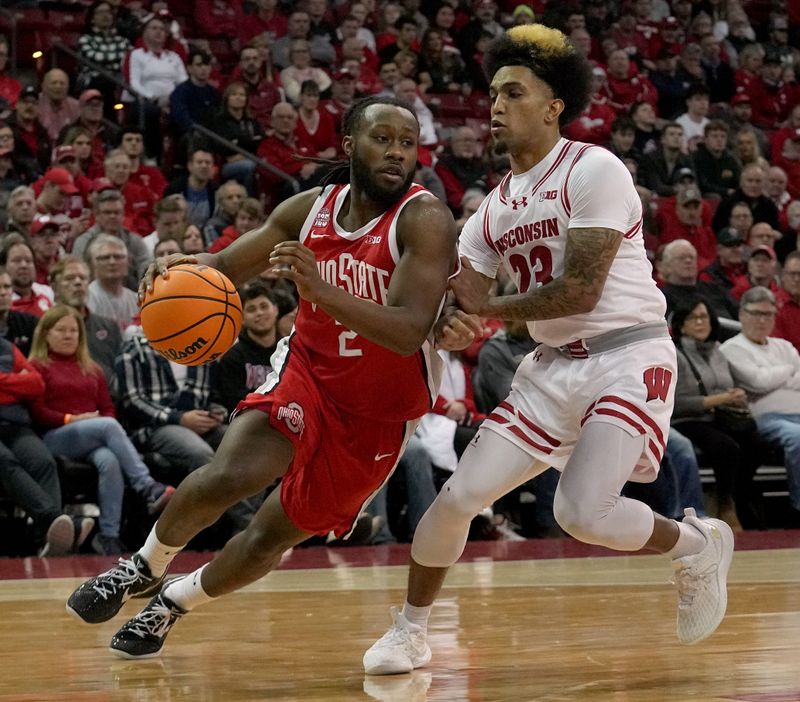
(100, 598)
(144, 635)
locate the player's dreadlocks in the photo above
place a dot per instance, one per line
(551, 57)
(339, 171)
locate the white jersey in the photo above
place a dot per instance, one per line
(523, 225)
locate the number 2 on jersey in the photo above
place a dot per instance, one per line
(538, 265)
(344, 337)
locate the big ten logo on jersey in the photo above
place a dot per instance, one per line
(293, 414)
(657, 380)
(548, 195)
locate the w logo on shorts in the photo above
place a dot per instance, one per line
(657, 381)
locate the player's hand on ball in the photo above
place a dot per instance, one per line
(161, 267)
(469, 288)
(292, 260)
(456, 330)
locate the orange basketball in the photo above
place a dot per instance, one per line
(192, 317)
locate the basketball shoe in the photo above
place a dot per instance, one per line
(400, 650)
(701, 579)
(144, 635)
(100, 598)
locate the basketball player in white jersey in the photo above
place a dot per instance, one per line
(594, 400)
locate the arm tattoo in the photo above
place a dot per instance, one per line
(587, 260)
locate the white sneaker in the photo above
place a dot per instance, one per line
(701, 580)
(400, 650)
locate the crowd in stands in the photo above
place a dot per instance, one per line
(181, 125)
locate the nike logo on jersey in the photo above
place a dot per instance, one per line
(317, 236)
(381, 456)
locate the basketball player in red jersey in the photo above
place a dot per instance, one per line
(371, 259)
(594, 399)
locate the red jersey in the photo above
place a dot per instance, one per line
(359, 376)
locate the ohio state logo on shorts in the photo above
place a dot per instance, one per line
(292, 414)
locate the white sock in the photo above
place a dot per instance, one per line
(690, 541)
(188, 592)
(157, 555)
(417, 615)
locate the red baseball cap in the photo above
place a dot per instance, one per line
(41, 223)
(763, 248)
(61, 178)
(343, 74)
(739, 98)
(90, 94)
(101, 184)
(62, 152)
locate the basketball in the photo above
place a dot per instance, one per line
(192, 317)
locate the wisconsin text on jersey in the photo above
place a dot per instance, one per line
(525, 233)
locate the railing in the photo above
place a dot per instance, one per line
(141, 100)
(12, 21)
(260, 162)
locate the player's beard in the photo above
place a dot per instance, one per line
(365, 181)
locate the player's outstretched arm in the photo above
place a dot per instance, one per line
(587, 260)
(249, 254)
(427, 237)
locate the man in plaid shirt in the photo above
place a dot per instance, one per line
(166, 406)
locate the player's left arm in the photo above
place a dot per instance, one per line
(427, 235)
(587, 260)
(603, 202)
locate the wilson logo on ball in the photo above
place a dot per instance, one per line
(177, 355)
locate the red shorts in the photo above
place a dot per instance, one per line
(340, 462)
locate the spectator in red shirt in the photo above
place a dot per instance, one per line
(57, 187)
(139, 202)
(760, 272)
(249, 216)
(729, 264)
(461, 167)
(687, 224)
(748, 78)
(104, 134)
(787, 324)
(594, 123)
(316, 130)
(9, 86)
(262, 83)
(219, 18)
(267, 19)
(66, 157)
(148, 177)
(625, 85)
(788, 129)
(45, 239)
(281, 149)
(789, 161)
(28, 296)
(770, 95)
(56, 108)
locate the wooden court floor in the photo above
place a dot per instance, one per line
(555, 630)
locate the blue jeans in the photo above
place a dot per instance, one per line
(682, 462)
(784, 429)
(102, 442)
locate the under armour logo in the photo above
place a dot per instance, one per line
(521, 202)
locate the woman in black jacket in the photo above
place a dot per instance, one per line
(234, 123)
(704, 392)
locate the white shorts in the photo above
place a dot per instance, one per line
(552, 397)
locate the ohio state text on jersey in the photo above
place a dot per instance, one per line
(360, 376)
